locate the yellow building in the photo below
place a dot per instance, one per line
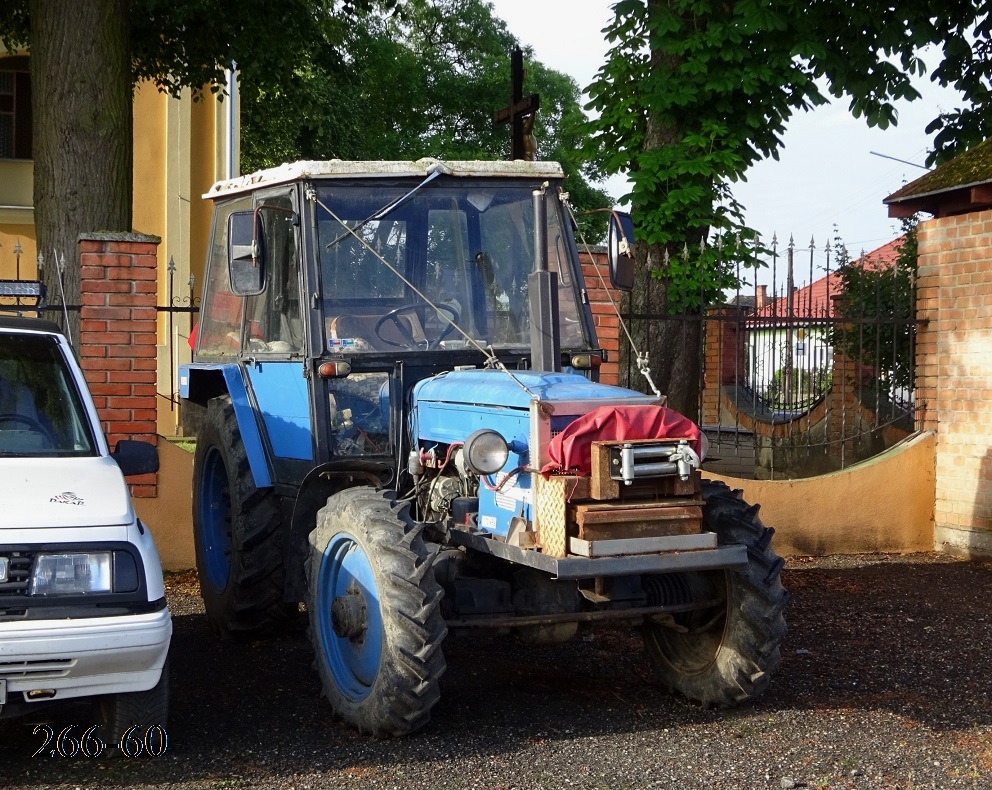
(181, 147)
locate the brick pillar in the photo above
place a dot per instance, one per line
(928, 287)
(118, 337)
(724, 359)
(604, 316)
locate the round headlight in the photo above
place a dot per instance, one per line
(485, 452)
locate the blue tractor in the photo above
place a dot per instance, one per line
(399, 425)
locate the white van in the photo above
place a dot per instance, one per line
(82, 602)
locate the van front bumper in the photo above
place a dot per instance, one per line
(83, 657)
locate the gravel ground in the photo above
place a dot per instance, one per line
(885, 682)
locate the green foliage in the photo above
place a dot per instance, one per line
(694, 92)
(189, 43)
(888, 297)
(423, 82)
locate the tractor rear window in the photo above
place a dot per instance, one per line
(41, 412)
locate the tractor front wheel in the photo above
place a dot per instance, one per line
(375, 620)
(723, 655)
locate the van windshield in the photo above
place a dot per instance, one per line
(467, 248)
(41, 412)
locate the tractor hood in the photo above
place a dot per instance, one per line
(448, 407)
(496, 388)
(40, 493)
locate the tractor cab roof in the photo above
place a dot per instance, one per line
(338, 168)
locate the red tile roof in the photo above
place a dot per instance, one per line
(815, 300)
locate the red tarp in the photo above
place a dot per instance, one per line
(571, 450)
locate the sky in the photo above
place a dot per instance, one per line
(826, 175)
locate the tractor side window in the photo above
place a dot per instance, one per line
(274, 320)
(219, 331)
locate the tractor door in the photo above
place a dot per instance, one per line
(272, 345)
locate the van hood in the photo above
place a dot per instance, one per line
(63, 492)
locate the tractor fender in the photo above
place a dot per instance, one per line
(321, 482)
(199, 382)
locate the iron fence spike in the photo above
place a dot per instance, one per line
(172, 264)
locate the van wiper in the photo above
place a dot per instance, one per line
(432, 172)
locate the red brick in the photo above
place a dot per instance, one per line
(110, 389)
(131, 352)
(106, 286)
(94, 300)
(131, 427)
(108, 313)
(106, 364)
(131, 273)
(136, 377)
(106, 338)
(130, 299)
(91, 271)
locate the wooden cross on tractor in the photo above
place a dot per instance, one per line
(520, 113)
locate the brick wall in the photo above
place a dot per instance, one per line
(724, 359)
(118, 336)
(603, 314)
(954, 374)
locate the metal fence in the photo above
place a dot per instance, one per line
(808, 364)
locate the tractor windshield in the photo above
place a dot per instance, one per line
(467, 249)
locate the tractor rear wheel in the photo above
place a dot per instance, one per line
(238, 534)
(724, 655)
(374, 608)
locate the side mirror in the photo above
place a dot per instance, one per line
(246, 253)
(620, 250)
(135, 458)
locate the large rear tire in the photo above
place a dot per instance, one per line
(724, 655)
(375, 618)
(238, 534)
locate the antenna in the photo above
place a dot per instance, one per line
(897, 159)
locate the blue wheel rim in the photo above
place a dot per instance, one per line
(215, 520)
(353, 662)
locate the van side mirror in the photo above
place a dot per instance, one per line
(135, 458)
(246, 253)
(620, 250)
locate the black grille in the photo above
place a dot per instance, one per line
(18, 572)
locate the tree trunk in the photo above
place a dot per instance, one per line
(81, 89)
(673, 345)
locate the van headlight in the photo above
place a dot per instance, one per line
(73, 573)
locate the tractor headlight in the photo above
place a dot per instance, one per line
(72, 574)
(485, 452)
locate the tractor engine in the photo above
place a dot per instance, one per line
(507, 459)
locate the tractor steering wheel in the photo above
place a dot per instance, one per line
(393, 318)
(32, 424)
